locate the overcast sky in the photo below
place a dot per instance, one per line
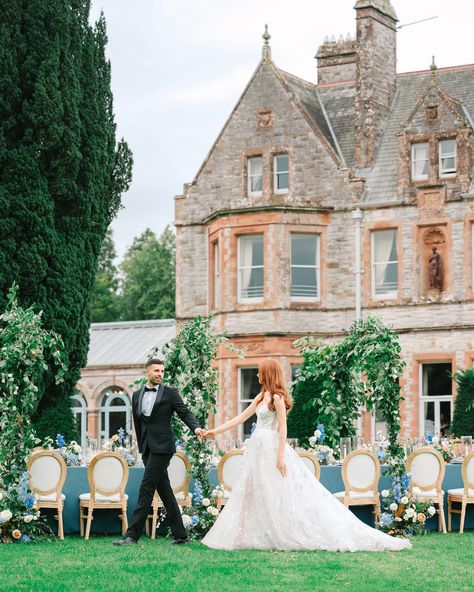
(179, 66)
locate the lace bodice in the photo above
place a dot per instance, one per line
(266, 419)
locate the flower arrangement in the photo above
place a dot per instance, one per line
(120, 444)
(19, 518)
(71, 453)
(445, 448)
(402, 514)
(199, 518)
(324, 454)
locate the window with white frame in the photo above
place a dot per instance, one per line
(79, 411)
(114, 412)
(420, 161)
(436, 398)
(250, 263)
(447, 158)
(280, 173)
(304, 267)
(255, 175)
(216, 274)
(249, 387)
(384, 263)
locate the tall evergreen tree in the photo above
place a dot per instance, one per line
(61, 173)
(105, 298)
(463, 416)
(149, 277)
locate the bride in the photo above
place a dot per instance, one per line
(278, 503)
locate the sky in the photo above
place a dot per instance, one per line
(179, 67)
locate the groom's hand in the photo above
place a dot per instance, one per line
(200, 433)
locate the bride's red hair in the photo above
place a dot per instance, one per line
(271, 379)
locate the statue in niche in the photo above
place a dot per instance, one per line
(436, 271)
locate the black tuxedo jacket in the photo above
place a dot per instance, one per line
(154, 433)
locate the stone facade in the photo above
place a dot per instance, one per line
(349, 145)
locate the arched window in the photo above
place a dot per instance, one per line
(79, 410)
(115, 412)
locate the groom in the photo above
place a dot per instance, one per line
(153, 406)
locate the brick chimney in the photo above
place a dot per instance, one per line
(376, 74)
(337, 60)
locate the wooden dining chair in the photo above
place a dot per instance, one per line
(361, 476)
(426, 467)
(108, 476)
(47, 473)
(311, 462)
(228, 471)
(462, 495)
(179, 472)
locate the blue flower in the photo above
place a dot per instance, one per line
(198, 493)
(386, 519)
(23, 486)
(429, 437)
(29, 501)
(409, 530)
(320, 427)
(321, 457)
(25, 538)
(380, 455)
(60, 441)
(405, 481)
(194, 520)
(397, 493)
(128, 457)
(121, 435)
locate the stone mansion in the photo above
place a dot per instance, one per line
(322, 202)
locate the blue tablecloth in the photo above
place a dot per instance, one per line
(107, 522)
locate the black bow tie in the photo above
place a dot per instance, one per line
(149, 388)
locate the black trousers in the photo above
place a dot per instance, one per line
(156, 478)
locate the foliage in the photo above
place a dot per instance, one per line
(463, 417)
(402, 514)
(105, 303)
(188, 360)
(148, 287)
(61, 175)
(27, 351)
(362, 370)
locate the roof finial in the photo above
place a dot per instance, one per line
(433, 66)
(266, 51)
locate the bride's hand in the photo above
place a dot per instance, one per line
(281, 466)
(210, 434)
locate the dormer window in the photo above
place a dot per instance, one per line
(419, 161)
(447, 158)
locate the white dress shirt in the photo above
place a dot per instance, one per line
(148, 400)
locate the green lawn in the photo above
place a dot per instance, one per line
(436, 563)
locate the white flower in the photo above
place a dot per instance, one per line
(393, 507)
(404, 500)
(385, 493)
(414, 518)
(406, 516)
(6, 515)
(77, 448)
(28, 518)
(317, 434)
(431, 510)
(435, 440)
(107, 446)
(398, 519)
(213, 511)
(1, 495)
(186, 520)
(205, 501)
(312, 441)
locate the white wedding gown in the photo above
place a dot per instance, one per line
(268, 511)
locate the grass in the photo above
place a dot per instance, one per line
(436, 563)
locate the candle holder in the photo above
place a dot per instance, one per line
(466, 445)
(345, 447)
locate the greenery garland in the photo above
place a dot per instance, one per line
(26, 353)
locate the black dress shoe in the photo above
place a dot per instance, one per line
(180, 541)
(126, 541)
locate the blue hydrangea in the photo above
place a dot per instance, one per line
(397, 492)
(381, 455)
(71, 458)
(23, 486)
(198, 493)
(321, 457)
(405, 481)
(320, 427)
(429, 437)
(60, 441)
(29, 501)
(194, 520)
(128, 458)
(25, 538)
(386, 519)
(121, 435)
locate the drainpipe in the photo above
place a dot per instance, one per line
(357, 217)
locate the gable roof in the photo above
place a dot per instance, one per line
(457, 83)
(306, 100)
(127, 343)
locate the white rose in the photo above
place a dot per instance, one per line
(28, 518)
(414, 518)
(215, 511)
(385, 493)
(435, 440)
(431, 510)
(404, 500)
(312, 440)
(6, 515)
(1, 495)
(398, 519)
(77, 448)
(393, 507)
(186, 520)
(406, 516)
(317, 433)
(205, 501)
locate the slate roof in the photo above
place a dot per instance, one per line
(127, 343)
(456, 82)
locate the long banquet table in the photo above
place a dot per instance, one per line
(107, 522)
